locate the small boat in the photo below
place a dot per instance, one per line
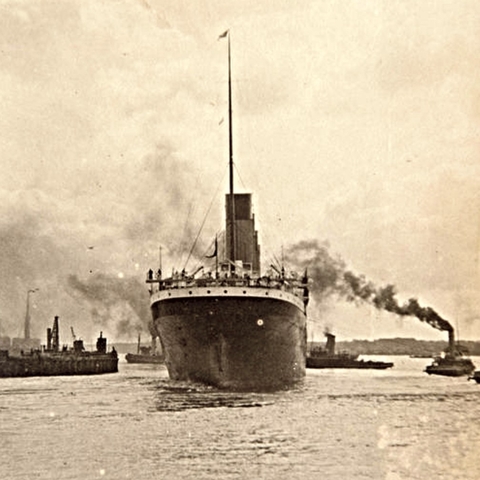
(321, 357)
(453, 363)
(50, 360)
(475, 376)
(145, 354)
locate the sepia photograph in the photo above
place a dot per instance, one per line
(240, 240)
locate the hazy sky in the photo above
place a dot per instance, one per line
(355, 122)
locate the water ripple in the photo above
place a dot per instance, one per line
(177, 396)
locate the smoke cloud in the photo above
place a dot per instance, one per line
(330, 276)
(73, 248)
(123, 301)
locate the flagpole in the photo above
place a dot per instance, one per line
(160, 262)
(216, 257)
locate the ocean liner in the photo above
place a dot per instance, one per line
(233, 327)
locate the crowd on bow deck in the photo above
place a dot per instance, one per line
(274, 280)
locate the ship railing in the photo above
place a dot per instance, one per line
(295, 287)
(292, 284)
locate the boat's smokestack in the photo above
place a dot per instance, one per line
(101, 344)
(330, 343)
(451, 341)
(78, 346)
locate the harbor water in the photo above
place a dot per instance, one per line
(137, 424)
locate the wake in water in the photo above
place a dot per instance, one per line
(178, 396)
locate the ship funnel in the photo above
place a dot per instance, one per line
(451, 341)
(101, 344)
(78, 346)
(330, 343)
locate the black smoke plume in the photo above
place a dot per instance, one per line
(383, 298)
(330, 276)
(325, 270)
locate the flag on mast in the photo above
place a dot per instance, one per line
(223, 35)
(215, 252)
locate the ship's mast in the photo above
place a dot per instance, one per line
(231, 226)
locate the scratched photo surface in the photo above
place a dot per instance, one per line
(353, 124)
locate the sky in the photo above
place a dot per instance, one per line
(356, 125)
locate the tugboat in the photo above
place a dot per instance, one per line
(453, 363)
(51, 360)
(145, 354)
(475, 376)
(320, 357)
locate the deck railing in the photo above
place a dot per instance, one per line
(298, 287)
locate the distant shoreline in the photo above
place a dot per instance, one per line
(381, 346)
(400, 346)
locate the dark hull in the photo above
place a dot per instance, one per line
(448, 371)
(39, 364)
(476, 376)
(139, 358)
(233, 342)
(451, 368)
(332, 362)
